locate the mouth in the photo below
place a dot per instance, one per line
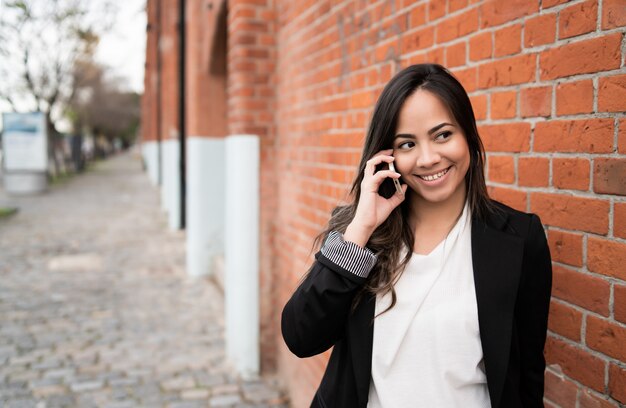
(435, 176)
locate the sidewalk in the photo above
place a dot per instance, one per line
(96, 309)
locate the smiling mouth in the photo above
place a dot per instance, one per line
(436, 176)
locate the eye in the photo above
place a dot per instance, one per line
(405, 145)
(443, 136)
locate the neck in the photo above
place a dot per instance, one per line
(426, 214)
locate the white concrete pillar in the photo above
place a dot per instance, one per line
(205, 203)
(242, 253)
(151, 159)
(171, 191)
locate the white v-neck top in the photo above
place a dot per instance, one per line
(427, 350)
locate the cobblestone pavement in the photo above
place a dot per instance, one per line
(96, 309)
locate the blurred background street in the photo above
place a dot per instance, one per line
(96, 307)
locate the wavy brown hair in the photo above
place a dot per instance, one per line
(381, 133)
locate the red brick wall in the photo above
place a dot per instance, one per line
(206, 113)
(168, 46)
(547, 83)
(149, 97)
(251, 106)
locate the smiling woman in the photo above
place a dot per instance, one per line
(432, 293)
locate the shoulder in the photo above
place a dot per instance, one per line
(517, 222)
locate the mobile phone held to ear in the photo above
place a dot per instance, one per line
(389, 186)
(396, 182)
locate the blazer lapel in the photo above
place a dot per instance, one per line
(497, 259)
(361, 338)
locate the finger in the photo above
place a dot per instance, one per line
(383, 174)
(376, 160)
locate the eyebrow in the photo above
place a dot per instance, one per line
(430, 132)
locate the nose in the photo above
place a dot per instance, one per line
(428, 157)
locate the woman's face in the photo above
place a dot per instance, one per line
(430, 149)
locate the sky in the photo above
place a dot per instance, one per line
(123, 47)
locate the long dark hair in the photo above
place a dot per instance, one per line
(384, 241)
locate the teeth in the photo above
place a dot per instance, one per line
(433, 177)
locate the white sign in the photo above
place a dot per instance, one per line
(24, 142)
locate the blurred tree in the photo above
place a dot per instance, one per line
(101, 105)
(41, 42)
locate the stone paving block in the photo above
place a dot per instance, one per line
(121, 404)
(65, 373)
(224, 400)
(49, 390)
(112, 333)
(60, 401)
(178, 383)
(196, 393)
(21, 403)
(225, 389)
(86, 386)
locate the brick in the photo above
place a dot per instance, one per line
(609, 176)
(576, 363)
(510, 137)
(479, 105)
(585, 136)
(612, 94)
(436, 9)
(621, 136)
(494, 13)
(508, 196)
(578, 19)
(588, 399)
(619, 306)
(503, 105)
(467, 78)
(457, 26)
(533, 171)
(613, 14)
(619, 220)
(418, 40)
(551, 3)
(417, 18)
(569, 212)
(514, 70)
(574, 97)
(560, 390)
(573, 174)
(540, 30)
(584, 290)
(536, 101)
(480, 46)
(566, 247)
(565, 320)
(454, 5)
(508, 40)
(455, 55)
(501, 169)
(617, 383)
(606, 337)
(606, 257)
(581, 57)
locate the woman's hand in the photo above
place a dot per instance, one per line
(373, 209)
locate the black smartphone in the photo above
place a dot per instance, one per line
(389, 186)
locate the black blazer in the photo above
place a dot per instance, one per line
(513, 279)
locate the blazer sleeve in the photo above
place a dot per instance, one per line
(315, 316)
(531, 312)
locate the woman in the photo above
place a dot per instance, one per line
(460, 319)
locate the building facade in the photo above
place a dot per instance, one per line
(548, 87)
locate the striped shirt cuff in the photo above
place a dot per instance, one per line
(348, 255)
